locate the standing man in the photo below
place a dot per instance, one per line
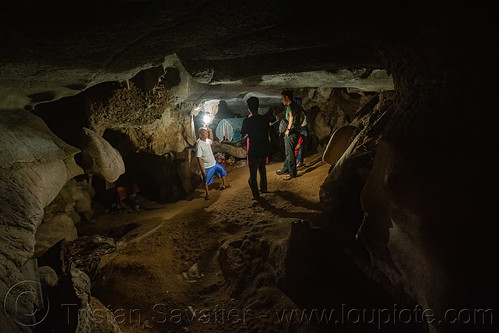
(257, 128)
(294, 113)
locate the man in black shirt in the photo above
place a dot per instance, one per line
(257, 128)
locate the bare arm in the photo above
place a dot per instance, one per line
(210, 134)
(200, 161)
(290, 122)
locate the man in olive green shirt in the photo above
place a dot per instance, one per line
(294, 114)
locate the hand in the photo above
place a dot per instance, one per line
(286, 133)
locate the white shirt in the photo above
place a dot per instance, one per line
(204, 151)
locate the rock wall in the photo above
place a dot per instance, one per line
(403, 201)
(34, 166)
(72, 205)
(331, 108)
(125, 124)
(426, 226)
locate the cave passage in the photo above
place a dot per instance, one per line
(162, 253)
(105, 225)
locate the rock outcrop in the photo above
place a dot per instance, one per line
(34, 166)
(53, 230)
(100, 158)
(67, 268)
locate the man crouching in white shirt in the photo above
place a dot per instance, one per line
(209, 166)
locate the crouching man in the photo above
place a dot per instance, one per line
(209, 166)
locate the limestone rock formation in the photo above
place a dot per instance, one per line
(92, 316)
(34, 166)
(109, 105)
(336, 106)
(171, 133)
(155, 119)
(100, 158)
(188, 171)
(233, 150)
(68, 268)
(53, 230)
(241, 261)
(48, 276)
(341, 191)
(74, 200)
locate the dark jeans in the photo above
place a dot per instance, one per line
(290, 143)
(257, 163)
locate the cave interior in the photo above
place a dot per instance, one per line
(100, 190)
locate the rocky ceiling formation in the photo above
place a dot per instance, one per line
(58, 49)
(426, 223)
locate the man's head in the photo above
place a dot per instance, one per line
(203, 133)
(297, 100)
(287, 97)
(253, 104)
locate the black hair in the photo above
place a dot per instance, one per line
(253, 104)
(288, 92)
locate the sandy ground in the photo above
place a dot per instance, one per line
(165, 275)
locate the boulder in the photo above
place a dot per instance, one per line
(233, 150)
(48, 277)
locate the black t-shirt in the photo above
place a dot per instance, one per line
(257, 127)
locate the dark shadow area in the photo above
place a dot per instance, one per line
(284, 212)
(295, 199)
(309, 167)
(335, 294)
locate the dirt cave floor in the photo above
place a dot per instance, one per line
(169, 271)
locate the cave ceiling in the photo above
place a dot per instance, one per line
(55, 48)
